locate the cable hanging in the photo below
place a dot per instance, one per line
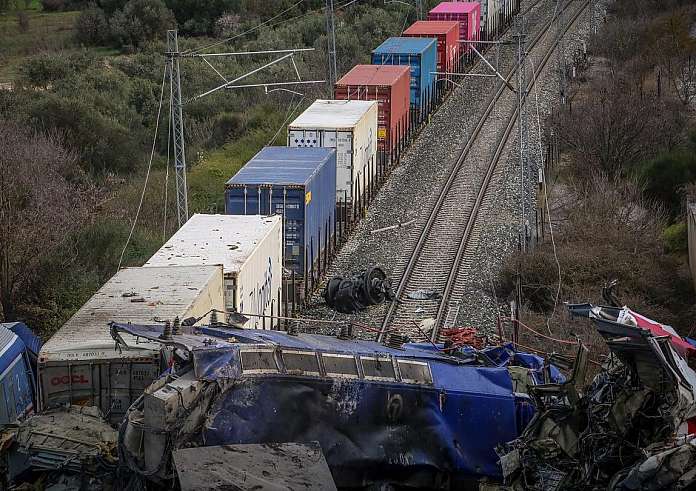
(149, 167)
(546, 198)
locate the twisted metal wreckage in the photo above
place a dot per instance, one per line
(408, 414)
(631, 429)
(418, 415)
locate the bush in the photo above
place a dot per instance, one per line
(105, 144)
(53, 5)
(665, 175)
(22, 21)
(91, 27)
(676, 238)
(43, 70)
(226, 127)
(141, 21)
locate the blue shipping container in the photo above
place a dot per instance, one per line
(418, 53)
(17, 384)
(298, 183)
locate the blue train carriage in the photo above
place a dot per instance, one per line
(300, 185)
(405, 414)
(18, 351)
(420, 54)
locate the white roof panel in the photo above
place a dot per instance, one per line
(137, 295)
(333, 114)
(227, 240)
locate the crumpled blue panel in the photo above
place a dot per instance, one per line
(30, 340)
(369, 430)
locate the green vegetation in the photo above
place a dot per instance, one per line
(46, 33)
(665, 176)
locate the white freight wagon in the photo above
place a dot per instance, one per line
(351, 128)
(249, 248)
(80, 363)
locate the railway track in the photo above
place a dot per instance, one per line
(441, 249)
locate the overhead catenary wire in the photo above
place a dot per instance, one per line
(292, 112)
(268, 23)
(248, 31)
(149, 168)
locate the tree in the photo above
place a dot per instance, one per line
(676, 50)
(91, 27)
(614, 129)
(42, 200)
(141, 21)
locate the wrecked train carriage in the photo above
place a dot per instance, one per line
(618, 434)
(410, 415)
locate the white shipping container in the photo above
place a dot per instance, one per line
(80, 363)
(249, 248)
(351, 128)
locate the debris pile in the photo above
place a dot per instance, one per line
(74, 443)
(620, 433)
(404, 414)
(356, 293)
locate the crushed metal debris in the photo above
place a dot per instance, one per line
(619, 433)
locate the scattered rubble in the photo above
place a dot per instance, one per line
(619, 434)
(71, 443)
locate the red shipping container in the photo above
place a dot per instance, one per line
(468, 14)
(447, 34)
(390, 86)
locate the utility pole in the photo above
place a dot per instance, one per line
(331, 44)
(177, 126)
(560, 50)
(176, 101)
(419, 4)
(521, 126)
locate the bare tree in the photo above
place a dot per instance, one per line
(613, 127)
(676, 52)
(42, 196)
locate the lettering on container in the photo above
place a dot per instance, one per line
(65, 380)
(261, 297)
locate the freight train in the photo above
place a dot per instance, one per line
(299, 201)
(375, 113)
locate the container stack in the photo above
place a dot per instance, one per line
(80, 364)
(350, 127)
(299, 184)
(447, 34)
(468, 14)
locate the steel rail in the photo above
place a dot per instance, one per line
(489, 174)
(453, 174)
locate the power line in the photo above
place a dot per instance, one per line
(147, 175)
(546, 197)
(267, 24)
(223, 41)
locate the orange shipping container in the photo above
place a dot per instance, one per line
(390, 86)
(447, 34)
